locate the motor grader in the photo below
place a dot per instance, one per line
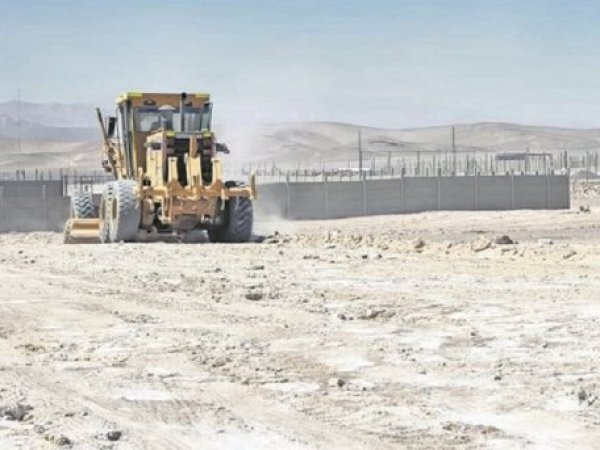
(162, 152)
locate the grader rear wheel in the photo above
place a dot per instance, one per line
(82, 205)
(239, 217)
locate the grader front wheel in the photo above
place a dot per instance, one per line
(124, 212)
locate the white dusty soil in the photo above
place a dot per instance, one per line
(389, 332)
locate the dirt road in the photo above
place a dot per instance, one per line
(391, 332)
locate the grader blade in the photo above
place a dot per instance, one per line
(82, 231)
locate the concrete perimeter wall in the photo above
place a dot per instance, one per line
(32, 206)
(330, 200)
(41, 206)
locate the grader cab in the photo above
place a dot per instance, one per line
(162, 153)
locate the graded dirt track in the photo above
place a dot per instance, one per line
(408, 331)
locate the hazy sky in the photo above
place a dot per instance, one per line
(380, 62)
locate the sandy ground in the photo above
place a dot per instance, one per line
(412, 331)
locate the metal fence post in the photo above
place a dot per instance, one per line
(326, 193)
(439, 191)
(512, 191)
(568, 187)
(402, 191)
(44, 208)
(364, 196)
(399, 186)
(548, 190)
(475, 191)
(1, 208)
(287, 195)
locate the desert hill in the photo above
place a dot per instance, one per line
(55, 135)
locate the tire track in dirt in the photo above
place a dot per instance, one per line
(63, 308)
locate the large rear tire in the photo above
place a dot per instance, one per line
(239, 220)
(82, 205)
(124, 212)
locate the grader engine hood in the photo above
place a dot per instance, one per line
(180, 143)
(180, 157)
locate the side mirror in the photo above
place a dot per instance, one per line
(106, 166)
(111, 123)
(222, 148)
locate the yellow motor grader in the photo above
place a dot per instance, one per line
(168, 179)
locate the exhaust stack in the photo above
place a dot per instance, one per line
(182, 111)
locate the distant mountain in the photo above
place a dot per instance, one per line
(313, 143)
(11, 128)
(68, 135)
(49, 155)
(48, 136)
(55, 122)
(51, 114)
